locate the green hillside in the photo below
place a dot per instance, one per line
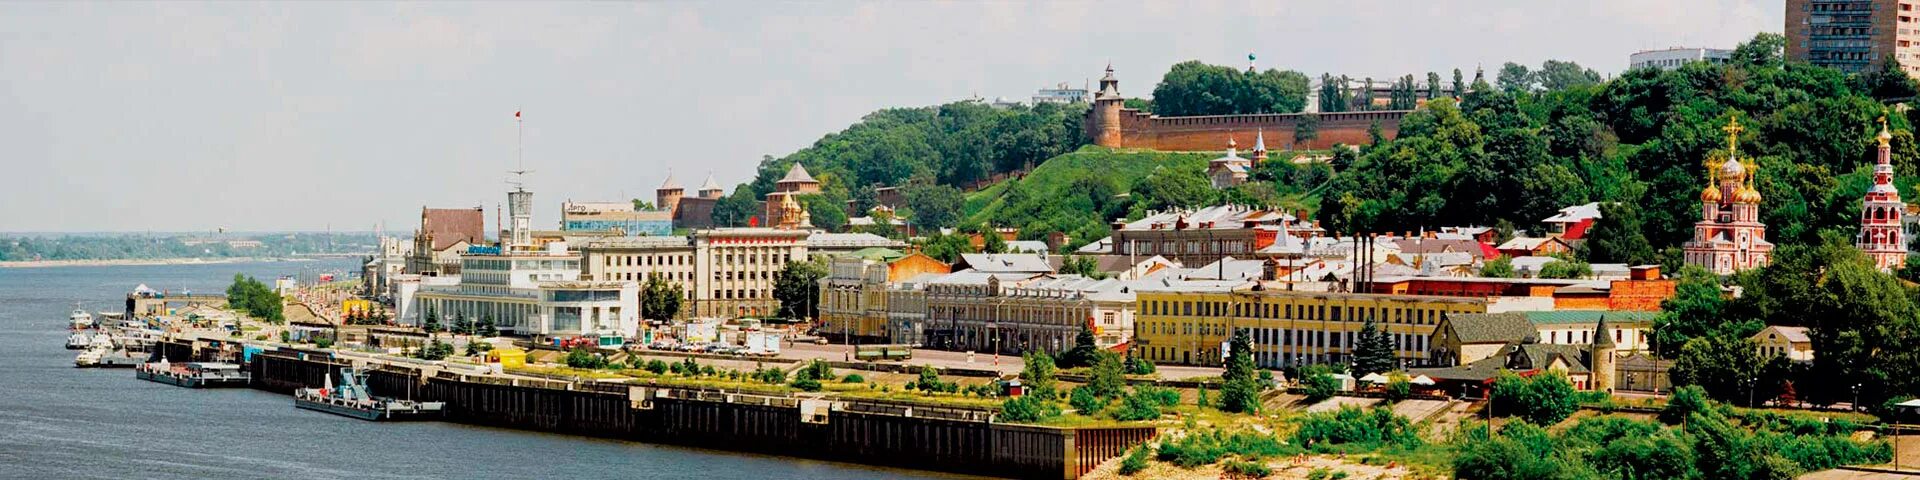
(1053, 178)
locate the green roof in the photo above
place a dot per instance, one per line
(877, 253)
(1589, 317)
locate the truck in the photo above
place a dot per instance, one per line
(872, 353)
(763, 343)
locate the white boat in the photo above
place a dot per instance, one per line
(101, 340)
(90, 357)
(78, 340)
(80, 319)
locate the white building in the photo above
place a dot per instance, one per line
(1672, 58)
(1062, 94)
(536, 294)
(1790, 342)
(725, 272)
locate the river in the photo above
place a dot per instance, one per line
(57, 421)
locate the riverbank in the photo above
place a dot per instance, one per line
(129, 262)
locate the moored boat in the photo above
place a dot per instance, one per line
(79, 319)
(79, 341)
(192, 375)
(352, 399)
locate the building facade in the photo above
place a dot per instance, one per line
(1881, 212)
(1188, 325)
(1853, 35)
(533, 293)
(1013, 313)
(1729, 236)
(1203, 236)
(855, 293)
(725, 272)
(1672, 58)
(688, 212)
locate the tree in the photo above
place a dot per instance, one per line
(1082, 266)
(1373, 352)
(1433, 86)
(1766, 49)
(736, 210)
(487, 328)
(797, 287)
(1561, 75)
(1195, 88)
(1566, 268)
(1616, 237)
(1888, 82)
(946, 248)
(1306, 129)
(460, 324)
(991, 241)
(1240, 389)
(1333, 96)
(432, 323)
(1319, 383)
(256, 299)
(934, 206)
(660, 299)
(1694, 310)
(1108, 376)
(1515, 78)
(1544, 399)
(1499, 267)
(1725, 365)
(1039, 375)
(1084, 352)
(1028, 409)
(1459, 87)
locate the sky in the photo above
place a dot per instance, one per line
(268, 116)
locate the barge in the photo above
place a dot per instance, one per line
(352, 399)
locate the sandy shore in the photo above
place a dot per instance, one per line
(140, 262)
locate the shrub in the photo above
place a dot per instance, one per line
(1252, 469)
(1399, 388)
(817, 370)
(1028, 409)
(805, 383)
(327, 342)
(1038, 374)
(578, 358)
(1349, 424)
(1338, 475)
(1084, 400)
(853, 378)
(1136, 461)
(1319, 383)
(1138, 406)
(770, 375)
(1542, 399)
(1319, 474)
(656, 367)
(1205, 447)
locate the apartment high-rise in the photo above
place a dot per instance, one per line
(1854, 35)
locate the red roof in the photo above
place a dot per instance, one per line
(453, 225)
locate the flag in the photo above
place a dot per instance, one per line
(516, 114)
(753, 221)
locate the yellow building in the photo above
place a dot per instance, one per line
(508, 357)
(1189, 324)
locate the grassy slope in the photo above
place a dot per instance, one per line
(1051, 178)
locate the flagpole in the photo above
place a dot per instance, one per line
(520, 141)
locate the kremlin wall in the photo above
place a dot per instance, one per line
(1110, 124)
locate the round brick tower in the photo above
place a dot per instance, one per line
(1104, 126)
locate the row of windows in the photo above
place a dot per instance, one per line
(1406, 315)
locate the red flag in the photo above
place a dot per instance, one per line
(753, 221)
(516, 114)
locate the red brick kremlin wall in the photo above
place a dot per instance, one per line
(1207, 133)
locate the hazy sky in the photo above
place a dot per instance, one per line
(267, 116)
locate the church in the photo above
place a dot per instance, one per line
(1729, 236)
(1881, 211)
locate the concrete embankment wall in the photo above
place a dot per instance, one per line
(873, 433)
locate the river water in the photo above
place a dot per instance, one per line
(57, 421)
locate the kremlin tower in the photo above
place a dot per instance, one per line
(1729, 236)
(1880, 212)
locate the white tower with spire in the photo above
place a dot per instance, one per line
(1881, 211)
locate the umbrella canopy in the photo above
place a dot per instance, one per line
(1374, 378)
(1421, 380)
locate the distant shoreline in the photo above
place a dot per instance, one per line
(128, 262)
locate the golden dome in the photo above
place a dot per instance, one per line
(1732, 169)
(1747, 195)
(1711, 194)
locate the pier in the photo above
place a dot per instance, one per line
(872, 432)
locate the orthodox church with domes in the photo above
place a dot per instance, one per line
(1729, 236)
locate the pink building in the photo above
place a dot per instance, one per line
(1729, 236)
(1880, 213)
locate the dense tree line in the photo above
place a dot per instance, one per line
(957, 144)
(1195, 88)
(1558, 136)
(256, 299)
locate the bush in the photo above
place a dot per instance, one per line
(1084, 400)
(323, 342)
(1319, 383)
(1136, 461)
(805, 383)
(1399, 388)
(1249, 469)
(579, 358)
(817, 370)
(1028, 409)
(1543, 399)
(770, 375)
(1137, 407)
(1205, 447)
(853, 378)
(1319, 474)
(1375, 427)
(656, 367)
(1684, 401)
